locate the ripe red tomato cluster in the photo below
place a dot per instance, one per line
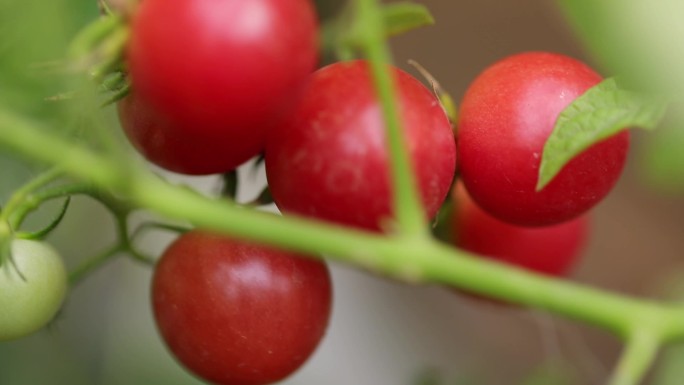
(506, 116)
(215, 83)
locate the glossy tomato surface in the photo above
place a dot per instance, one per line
(239, 314)
(329, 159)
(506, 116)
(217, 71)
(551, 250)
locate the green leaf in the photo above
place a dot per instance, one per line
(402, 17)
(602, 111)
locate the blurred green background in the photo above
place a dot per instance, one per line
(382, 333)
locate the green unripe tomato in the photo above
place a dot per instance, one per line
(32, 288)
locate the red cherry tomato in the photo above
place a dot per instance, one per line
(506, 116)
(329, 160)
(550, 250)
(216, 73)
(234, 313)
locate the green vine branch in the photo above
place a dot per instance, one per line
(420, 260)
(21, 195)
(34, 194)
(640, 351)
(408, 208)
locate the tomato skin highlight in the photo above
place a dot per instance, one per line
(329, 160)
(551, 250)
(218, 71)
(234, 313)
(506, 116)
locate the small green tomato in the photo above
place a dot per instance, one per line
(32, 288)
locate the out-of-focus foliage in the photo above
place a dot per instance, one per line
(34, 38)
(670, 370)
(661, 159)
(635, 39)
(640, 41)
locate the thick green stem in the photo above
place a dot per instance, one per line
(636, 359)
(409, 258)
(408, 208)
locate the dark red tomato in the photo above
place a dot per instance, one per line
(163, 142)
(238, 314)
(550, 250)
(506, 116)
(329, 160)
(216, 71)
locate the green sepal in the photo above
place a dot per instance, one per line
(40, 234)
(92, 35)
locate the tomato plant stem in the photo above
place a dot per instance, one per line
(409, 258)
(407, 205)
(639, 353)
(91, 264)
(30, 202)
(20, 195)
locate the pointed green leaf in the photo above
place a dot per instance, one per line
(402, 17)
(602, 111)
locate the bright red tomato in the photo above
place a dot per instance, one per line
(238, 314)
(215, 73)
(506, 116)
(550, 250)
(329, 159)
